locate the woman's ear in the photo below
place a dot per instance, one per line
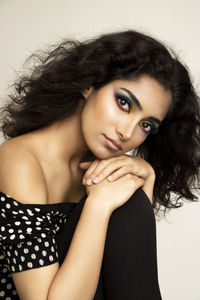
(86, 93)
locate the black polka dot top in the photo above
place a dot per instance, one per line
(27, 238)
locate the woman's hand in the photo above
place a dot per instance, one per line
(108, 195)
(116, 167)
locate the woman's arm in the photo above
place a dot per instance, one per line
(79, 273)
(78, 276)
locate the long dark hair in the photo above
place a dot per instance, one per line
(54, 89)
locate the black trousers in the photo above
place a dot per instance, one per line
(129, 267)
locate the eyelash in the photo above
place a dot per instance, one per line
(119, 97)
(152, 130)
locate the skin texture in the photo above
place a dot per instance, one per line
(30, 163)
(108, 119)
(124, 124)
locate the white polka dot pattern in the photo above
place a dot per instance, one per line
(27, 238)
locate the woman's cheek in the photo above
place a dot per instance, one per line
(106, 111)
(138, 138)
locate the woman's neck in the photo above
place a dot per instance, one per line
(61, 141)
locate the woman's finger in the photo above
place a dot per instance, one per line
(119, 173)
(114, 168)
(94, 170)
(85, 165)
(103, 171)
(89, 171)
(89, 176)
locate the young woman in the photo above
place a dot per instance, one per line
(76, 214)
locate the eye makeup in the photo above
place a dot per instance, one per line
(133, 98)
(148, 127)
(123, 102)
(127, 105)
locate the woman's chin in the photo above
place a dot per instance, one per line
(105, 154)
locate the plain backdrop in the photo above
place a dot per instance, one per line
(28, 25)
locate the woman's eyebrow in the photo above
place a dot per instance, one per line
(137, 103)
(153, 119)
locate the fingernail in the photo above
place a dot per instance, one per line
(89, 181)
(96, 179)
(110, 178)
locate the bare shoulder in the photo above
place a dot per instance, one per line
(21, 175)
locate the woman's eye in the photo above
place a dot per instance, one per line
(147, 127)
(123, 103)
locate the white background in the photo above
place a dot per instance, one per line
(28, 25)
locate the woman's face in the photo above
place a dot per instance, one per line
(118, 117)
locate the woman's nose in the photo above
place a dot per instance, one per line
(125, 131)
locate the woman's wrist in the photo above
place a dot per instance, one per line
(151, 177)
(98, 207)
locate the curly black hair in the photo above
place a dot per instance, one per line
(54, 89)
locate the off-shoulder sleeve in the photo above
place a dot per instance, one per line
(27, 233)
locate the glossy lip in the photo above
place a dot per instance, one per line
(113, 144)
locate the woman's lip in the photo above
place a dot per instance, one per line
(113, 144)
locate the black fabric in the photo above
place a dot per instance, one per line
(27, 238)
(129, 267)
